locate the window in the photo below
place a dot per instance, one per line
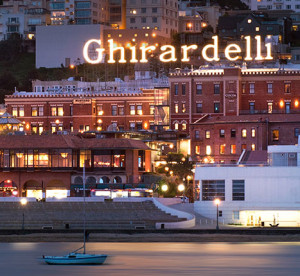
(252, 107)
(233, 133)
(253, 147)
(41, 129)
(121, 110)
(244, 133)
(152, 109)
(199, 89)
(270, 88)
(208, 150)
(197, 149)
(34, 111)
(139, 110)
(287, 107)
(222, 133)
(21, 111)
(176, 126)
(132, 110)
(252, 88)
(216, 107)
(15, 111)
(143, 10)
(41, 111)
(176, 108)
(296, 132)
(253, 132)
(238, 190)
(132, 20)
(287, 88)
(154, 19)
(222, 149)
(232, 149)
(132, 126)
(143, 20)
(243, 88)
(60, 111)
(199, 107)
(183, 89)
(275, 134)
(197, 134)
(139, 126)
(176, 89)
(236, 215)
(217, 89)
(183, 126)
(183, 108)
(99, 110)
(207, 134)
(154, 10)
(212, 189)
(270, 108)
(114, 110)
(244, 147)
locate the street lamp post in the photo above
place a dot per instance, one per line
(217, 202)
(23, 202)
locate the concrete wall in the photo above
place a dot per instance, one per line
(56, 43)
(266, 188)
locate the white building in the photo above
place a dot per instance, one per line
(153, 15)
(253, 195)
(63, 44)
(273, 4)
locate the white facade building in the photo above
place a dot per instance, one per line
(63, 44)
(253, 195)
(273, 5)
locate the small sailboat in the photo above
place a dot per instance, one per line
(76, 258)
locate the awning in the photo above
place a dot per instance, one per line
(102, 186)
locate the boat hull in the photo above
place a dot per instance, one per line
(75, 259)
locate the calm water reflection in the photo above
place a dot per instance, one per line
(157, 259)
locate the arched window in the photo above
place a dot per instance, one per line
(117, 179)
(78, 180)
(104, 180)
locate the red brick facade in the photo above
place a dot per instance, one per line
(220, 104)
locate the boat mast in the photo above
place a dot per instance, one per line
(83, 206)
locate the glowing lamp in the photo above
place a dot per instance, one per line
(164, 187)
(23, 201)
(57, 121)
(171, 146)
(217, 201)
(64, 154)
(296, 103)
(154, 35)
(19, 154)
(27, 126)
(166, 169)
(14, 193)
(181, 187)
(72, 66)
(99, 121)
(145, 125)
(281, 103)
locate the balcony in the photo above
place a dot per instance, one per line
(12, 23)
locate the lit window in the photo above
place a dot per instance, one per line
(34, 111)
(139, 110)
(183, 126)
(222, 149)
(60, 111)
(275, 135)
(270, 108)
(197, 149)
(244, 133)
(176, 126)
(233, 149)
(21, 111)
(243, 88)
(208, 150)
(207, 134)
(15, 111)
(183, 108)
(99, 110)
(257, 29)
(253, 132)
(287, 88)
(176, 108)
(152, 109)
(53, 111)
(253, 147)
(41, 129)
(132, 110)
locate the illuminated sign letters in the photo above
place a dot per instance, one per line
(210, 52)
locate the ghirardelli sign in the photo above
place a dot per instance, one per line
(167, 53)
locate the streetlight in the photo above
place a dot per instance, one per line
(23, 202)
(164, 187)
(217, 202)
(181, 187)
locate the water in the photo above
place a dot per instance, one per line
(157, 259)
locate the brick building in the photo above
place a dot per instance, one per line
(231, 109)
(74, 111)
(53, 164)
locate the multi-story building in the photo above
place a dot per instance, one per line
(273, 5)
(33, 165)
(79, 12)
(117, 14)
(23, 17)
(228, 110)
(77, 111)
(159, 15)
(255, 194)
